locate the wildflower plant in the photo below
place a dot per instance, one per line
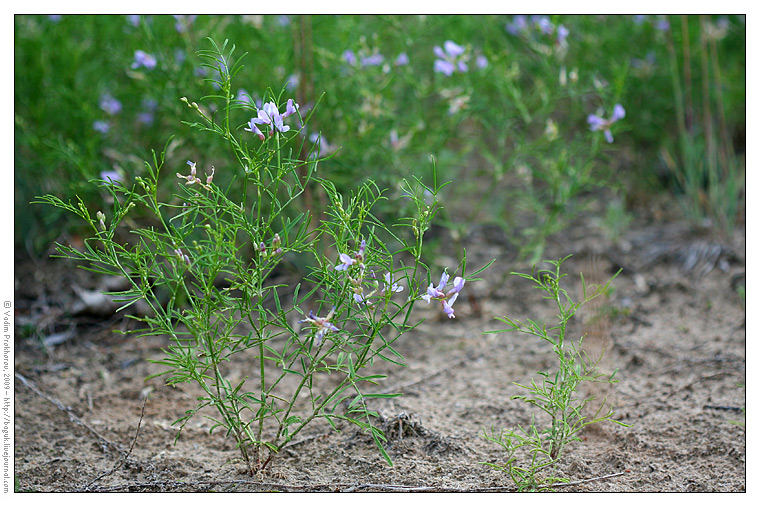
(533, 453)
(208, 266)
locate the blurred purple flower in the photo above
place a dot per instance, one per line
(283, 20)
(143, 59)
(109, 104)
(562, 33)
(401, 59)
(183, 21)
(662, 24)
(349, 57)
(481, 62)
(112, 176)
(134, 19)
(518, 25)
(101, 126)
(372, 60)
(597, 123)
(55, 18)
(450, 59)
(544, 25)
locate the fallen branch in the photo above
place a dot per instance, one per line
(126, 456)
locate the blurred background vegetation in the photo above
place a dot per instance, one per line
(499, 104)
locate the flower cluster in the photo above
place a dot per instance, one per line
(143, 59)
(382, 288)
(276, 247)
(521, 25)
(322, 324)
(270, 115)
(452, 58)
(192, 178)
(346, 261)
(597, 123)
(446, 298)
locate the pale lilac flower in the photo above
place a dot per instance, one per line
(401, 59)
(293, 81)
(283, 20)
(447, 306)
(322, 324)
(143, 59)
(372, 60)
(562, 33)
(55, 18)
(662, 24)
(518, 25)
(544, 25)
(481, 62)
(180, 56)
(450, 59)
(134, 19)
(597, 123)
(446, 298)
(183, 21)
(349, 57)
(639, 18)
(290, 108)
(112, 176)
(101, 126)
(270, 115)
(390, 285)
(191, 178)
(346, 261)
(109, 104)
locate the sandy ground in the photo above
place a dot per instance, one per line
(674, 326)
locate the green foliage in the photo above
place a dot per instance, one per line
(533, 452)
(206, 265)
(511, 129)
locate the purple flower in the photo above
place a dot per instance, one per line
(544, 25)
(143, 59)
(109, 104)
(322, 324)
(55, 18)
(349, 57)
(112, 176)
(450, 59)
(191, 178)
(134, 19)
(101, 126)
(346, 261)
(372, 60)
(401, 59)
(183, 21)
(562, 33)
(438, 294)
(270, 115)
(481, 62)
(518, 25)
(597, 123)
(662, 24)
(390, 285)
